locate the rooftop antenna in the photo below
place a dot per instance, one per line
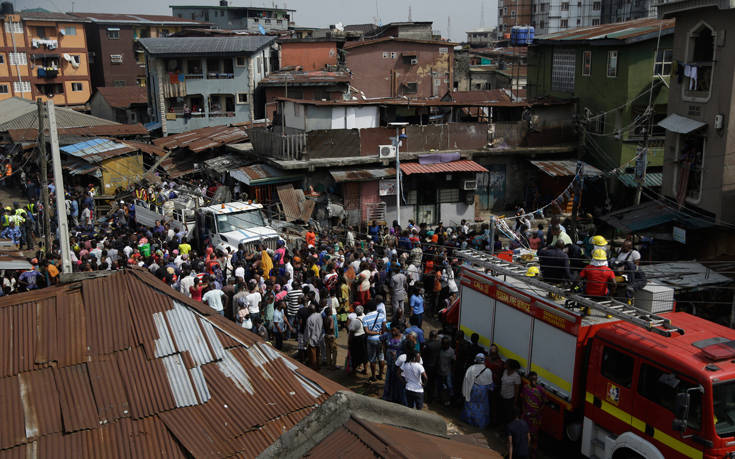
(449, 28)
(409, 13)
(482, 14)
(377, 12)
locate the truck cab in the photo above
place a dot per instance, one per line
(234, 223)
(650, 396)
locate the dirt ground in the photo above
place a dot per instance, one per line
(490, 437)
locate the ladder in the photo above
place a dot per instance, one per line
(611, 307)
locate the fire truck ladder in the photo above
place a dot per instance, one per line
(611, 307)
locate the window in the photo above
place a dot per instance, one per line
(617, 366)
(118, 83)
(410, 88)
(443, 50)
(165, 32)
(393, 55)
(2, 58)
(41, 32)
(76, 59)
(661, 387)
(241, 61)
(690, 163)
(449, 195)
(563, 67)
(113, 34)
(513, 13)
(565, 6)
(116, 58)
(267, 21)
(258, 64)
(70, 30)
(542, 24)
(586, 63)
(564, 23)
(21, 86)
(596, 6)
(663, 62)
(500, 12)
(700, 58)
(17, 58)
(579, 21)
(505, 10)
(242, 98)
(3, 89)
(612, 64)
(595, 22)
(75, 87)
(386, 55)
(13, 27)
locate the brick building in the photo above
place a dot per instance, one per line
(44, 54)
(116, 56)
(315, 85)
(396, 67)
(309, 54)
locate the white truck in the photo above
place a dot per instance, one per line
(227, 225)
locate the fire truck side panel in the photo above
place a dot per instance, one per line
(512, 334)
(478, 316)
(553, 356)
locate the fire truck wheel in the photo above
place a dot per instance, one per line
(573, 431)
(626, 453)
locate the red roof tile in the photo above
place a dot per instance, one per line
(464, 165)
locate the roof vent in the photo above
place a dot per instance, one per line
(222, 2)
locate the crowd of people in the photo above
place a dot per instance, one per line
(378, 287)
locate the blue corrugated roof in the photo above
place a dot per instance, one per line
(653, 179)
(99, 149)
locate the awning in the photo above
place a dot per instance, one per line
(464, 165)
(262, 174)
(362, 175)
(152, 126)
(14, 263)
(680, 124)
(97, 150)
(652, 179)
(684, 275)
(654, 213)
(566, 168)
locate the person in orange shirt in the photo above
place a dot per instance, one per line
(311, 238)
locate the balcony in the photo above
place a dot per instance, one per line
(47, 73)
(697, 79)
(48, 43)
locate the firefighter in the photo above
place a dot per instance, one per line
(5, 220)
(599, 278)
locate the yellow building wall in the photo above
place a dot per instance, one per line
(72, 41)
(8, 95)
(82, 71)
(120, 172)
(77, 97)
(59, 99)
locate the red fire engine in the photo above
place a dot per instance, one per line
(628, 383)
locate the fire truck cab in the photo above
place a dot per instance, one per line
(653, 396)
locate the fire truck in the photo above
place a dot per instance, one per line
(623, 381)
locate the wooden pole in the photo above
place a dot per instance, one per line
(62, 222)
(44, 179)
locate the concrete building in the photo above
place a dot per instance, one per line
(224, 16)
(401, 67)
(310, 53)
(513, 13)
(483, 37)
(116, 58)
(124, 104)
(303, 85)
(44, 54)
(624, 10)
(609, 71)
(559, 15)
(196, 82)
(700, 138)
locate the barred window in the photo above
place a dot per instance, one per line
(562, 71)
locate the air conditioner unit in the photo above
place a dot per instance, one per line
(414, 61)
(386, 151)
(116, 58)
(470, 185)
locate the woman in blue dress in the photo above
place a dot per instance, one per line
(476, 389)
(394, 389)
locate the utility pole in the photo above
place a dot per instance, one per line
(641, 163)
(577, 199)
(62, 222)
(44, 178)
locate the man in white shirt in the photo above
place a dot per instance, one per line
(186, 282)
(628, 253)
(213, 298)
(253, 299)
(415, 376)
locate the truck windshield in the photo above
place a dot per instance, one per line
(724, 407)
(240, 220)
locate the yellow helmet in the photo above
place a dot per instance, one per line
(533, 271)
(599, 241)
(599, 254)
(8, 208)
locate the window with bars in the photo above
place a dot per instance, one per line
(21, 86)
(449, 195)
(664, 57)
(17, 59)
(564, 23)
(562, 70)
(13, 27)
(586, 63)
(612, 64)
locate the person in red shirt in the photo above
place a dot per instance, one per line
(600, 279)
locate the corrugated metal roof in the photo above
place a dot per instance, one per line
(181, 46)
(203, 139)
(463, 165)
(652, 179)
(362, 175)
(97, 150)
(680, 124)
(128, 363)
(623, 31)
(316, 78)
(17, 113)
(112, 130)
(263, 174)
(123, 96)
(565, 168)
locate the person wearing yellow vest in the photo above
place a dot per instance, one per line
(5, 218)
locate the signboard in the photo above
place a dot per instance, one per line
(387, 187)
(680, 235)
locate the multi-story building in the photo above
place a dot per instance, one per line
(483, 37)
(700, 139)
(551, 16)
(512, 13)
(310, 53)
(44, 54)
(224, 16)
(626, 10)
(613, 72)
(196, 82)
(401, 67)
(116, 58)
